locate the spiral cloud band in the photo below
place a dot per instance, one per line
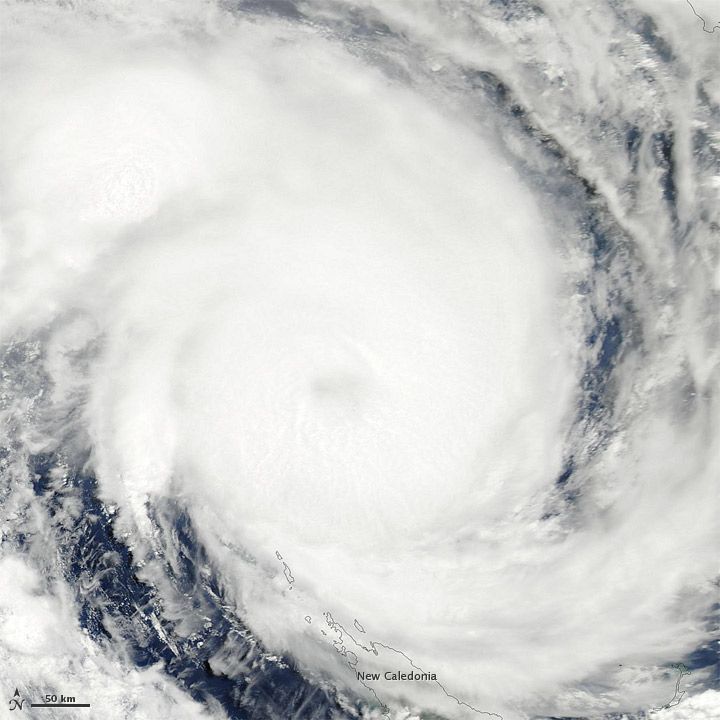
(379, 302)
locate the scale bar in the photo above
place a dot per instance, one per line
(59, 704)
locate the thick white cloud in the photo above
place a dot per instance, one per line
(335, 322)
(700, 707)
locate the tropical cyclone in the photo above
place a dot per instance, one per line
(426, 305)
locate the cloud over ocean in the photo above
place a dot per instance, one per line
(360, 360)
